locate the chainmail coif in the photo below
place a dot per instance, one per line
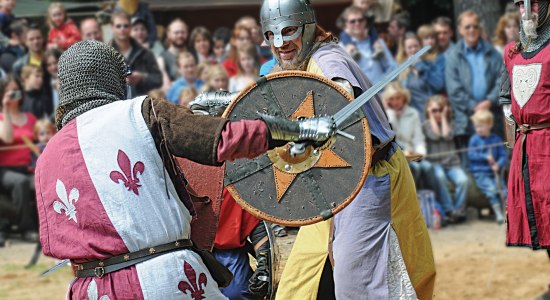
(91, 74)
(543, 30)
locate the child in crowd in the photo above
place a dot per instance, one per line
(186, 96)
(63, 32)
(439, 131)
(487, 157)
(220, 38)
(216, 79)
(37, 100)
(44, 130)
(157, 94)
(249, 62)
(187, 68)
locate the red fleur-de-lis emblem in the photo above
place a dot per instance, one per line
(129, 178)
(196, 287)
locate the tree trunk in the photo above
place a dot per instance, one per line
(488, 10)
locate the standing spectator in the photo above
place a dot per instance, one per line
(487, 157)
(6, 18)
(176, 42)
(221, 38)
(51, 58)
(187, 67)
(370, 53)
(472, 74)
(200, 44)
(139, 9)
(38, 101)
(507, 31)
(143, 65)
(257, 38)
(90, 30)
(63, 32)
(141, 35)
(439, 131)
(249, 62)
(423, 79)
(240, 37)
(399, 24)
(428, 37)
(444, 30)
(35, 46)
(15, 177)
(15, 48)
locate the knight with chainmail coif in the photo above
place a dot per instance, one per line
(112, 199)
(525, 86)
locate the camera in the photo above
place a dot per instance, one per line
(15, 95)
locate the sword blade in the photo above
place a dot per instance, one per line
(55, 268)
(356, 104)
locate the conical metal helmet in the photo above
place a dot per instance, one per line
(275, 15)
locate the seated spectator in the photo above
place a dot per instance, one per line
(139, 9)
(439, 131)
(436, 60)
(51, 58)
(363, 45)
(141, 35)
(216, 79)
(187, 67)
(15, 177)
(507, 31)
(90, 30)
(38, 100)
(186, 96)
(220, 38)
(200, 44)
(249, 62)
(35, 46)
(240, 37)
(146, 74)
(257, 37)
(423, 78)
(157, 94)
(487, 157)
(6, 18)
(15, 48)
(63, 32)
(44, 130)
(176, 42)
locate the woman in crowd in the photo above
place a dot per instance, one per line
(423, 79)
(16, 179)
(507, 30)
(249, 63)
(63, 32)
(49, 63)
(240, 37)
(200, 43)
(439, 131)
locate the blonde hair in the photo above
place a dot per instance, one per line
(483, 116)
(467, 13)
(53, 6)
(187, 95)
(395, 88)
(440, 100)
(250, 50)
(156, 94)
(500, 34)
(426, 31)
(184, 55)
(27, 70)
(211, 73)
(43, 123)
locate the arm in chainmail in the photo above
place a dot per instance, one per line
(505, 98)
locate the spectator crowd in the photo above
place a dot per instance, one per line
(444, 108)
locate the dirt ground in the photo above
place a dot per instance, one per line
(471, 259)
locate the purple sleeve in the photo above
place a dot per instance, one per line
(242, 139)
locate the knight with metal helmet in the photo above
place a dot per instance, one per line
(524, 94)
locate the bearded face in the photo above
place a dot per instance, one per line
(288, 53)
(529, 25)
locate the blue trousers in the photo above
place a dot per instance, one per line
(486, 183)
(236, 260)
(458, 177)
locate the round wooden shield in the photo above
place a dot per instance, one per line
(307, 188)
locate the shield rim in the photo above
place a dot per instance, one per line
(366, 166)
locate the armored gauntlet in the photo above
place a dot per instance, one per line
(212, 103)
(316, 129)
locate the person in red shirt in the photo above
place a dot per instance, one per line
(15, 177)
(63, 32)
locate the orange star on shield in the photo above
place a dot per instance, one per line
(286, 167)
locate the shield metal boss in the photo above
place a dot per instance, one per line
(311, 187)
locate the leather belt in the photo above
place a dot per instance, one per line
(525, 129)
(99, 268)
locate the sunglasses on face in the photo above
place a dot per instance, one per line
(119, 26)
(436, 110)
(354, 21)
